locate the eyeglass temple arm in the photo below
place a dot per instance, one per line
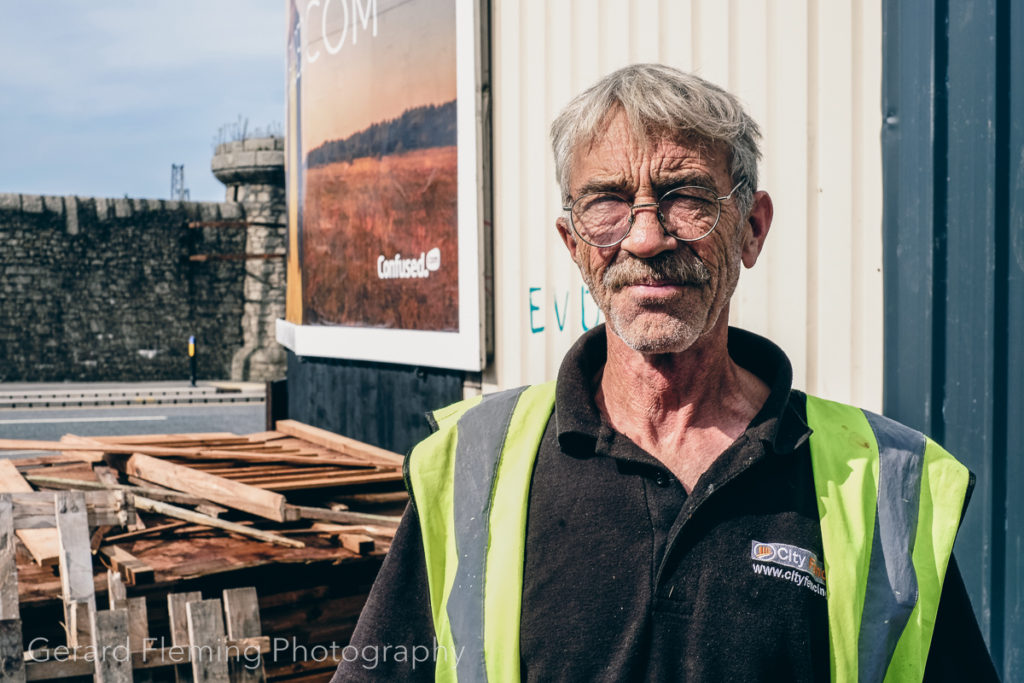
(732, 191)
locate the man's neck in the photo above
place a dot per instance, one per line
(683, 408)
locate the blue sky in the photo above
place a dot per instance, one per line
(99, 98)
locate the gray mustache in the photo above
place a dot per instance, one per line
(678, 267)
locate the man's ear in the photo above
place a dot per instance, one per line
(759, 221)
(567, 235)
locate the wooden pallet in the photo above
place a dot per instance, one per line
(216, 640)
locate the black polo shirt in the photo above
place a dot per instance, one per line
(629, 578)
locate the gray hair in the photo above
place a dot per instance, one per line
(660, 103)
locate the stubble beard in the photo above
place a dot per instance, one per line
(652, 327)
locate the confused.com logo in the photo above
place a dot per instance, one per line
(398, 267)
(790, 556)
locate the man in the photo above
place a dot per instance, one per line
(670, 509)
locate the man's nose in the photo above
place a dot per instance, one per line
(647, 237)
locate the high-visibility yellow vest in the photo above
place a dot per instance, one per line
(889, 498)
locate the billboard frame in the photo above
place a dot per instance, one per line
(465, 349)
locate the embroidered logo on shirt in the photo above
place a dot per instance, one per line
(802, 566)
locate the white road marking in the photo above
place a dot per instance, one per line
(43, 420)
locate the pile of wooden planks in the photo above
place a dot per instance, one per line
(172, 508)
(223, 481)
(115, 645)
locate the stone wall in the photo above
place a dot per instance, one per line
(104, 289)
(96, 289)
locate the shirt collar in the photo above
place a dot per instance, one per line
(778, 423)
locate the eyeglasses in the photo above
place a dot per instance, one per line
(689, 213)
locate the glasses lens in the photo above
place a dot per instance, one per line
(601, 219)
(690, 213)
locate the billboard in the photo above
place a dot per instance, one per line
(384, 182)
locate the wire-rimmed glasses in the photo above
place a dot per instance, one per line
(688, 213)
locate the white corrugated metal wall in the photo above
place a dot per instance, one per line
(809, 72)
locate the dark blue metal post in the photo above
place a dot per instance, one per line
(953, 158)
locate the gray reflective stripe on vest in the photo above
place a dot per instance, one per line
(891, 591)
(477, 454)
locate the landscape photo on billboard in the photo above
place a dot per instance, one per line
(379, 226)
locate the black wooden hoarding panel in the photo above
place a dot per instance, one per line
(912, 208)
(1011, 45)
(970, 304)
(953, 154)
(378, 403)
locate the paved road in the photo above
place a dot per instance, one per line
(52, 423)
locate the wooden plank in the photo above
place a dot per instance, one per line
(242, 617)
(205, 464)
(83, 452)
(345, 516)
(75, 561)
(116, 592)
(148, 531)
(250, 447)
(8, 561)
(265, 436)
(96, 538)
(242, 610)
(74, 441)
(332, 482)
(303, 458)
(178, 621)
(171, 438)
(230, 470)
(360, 544)
(41, 543)
(141, 487)
(45, 461)
(11, 480)
(337, 442)
(134, 570)
(113, 662)
(177, 616)
(12, 657)
(34, 510)
(292, 473)
(188, 443)
(373, 531)
(79, 623)
(207, 642)
(107, 475)
(77, 471)
(211, 509)
(158, 657)
(382, 498)
(197, 518)
(138, 624)
(294, 483)
(216, 489)
(87, 452)
(333, 529)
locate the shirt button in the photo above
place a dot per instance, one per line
(662, 479)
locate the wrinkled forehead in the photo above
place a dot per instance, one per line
(621, 143)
